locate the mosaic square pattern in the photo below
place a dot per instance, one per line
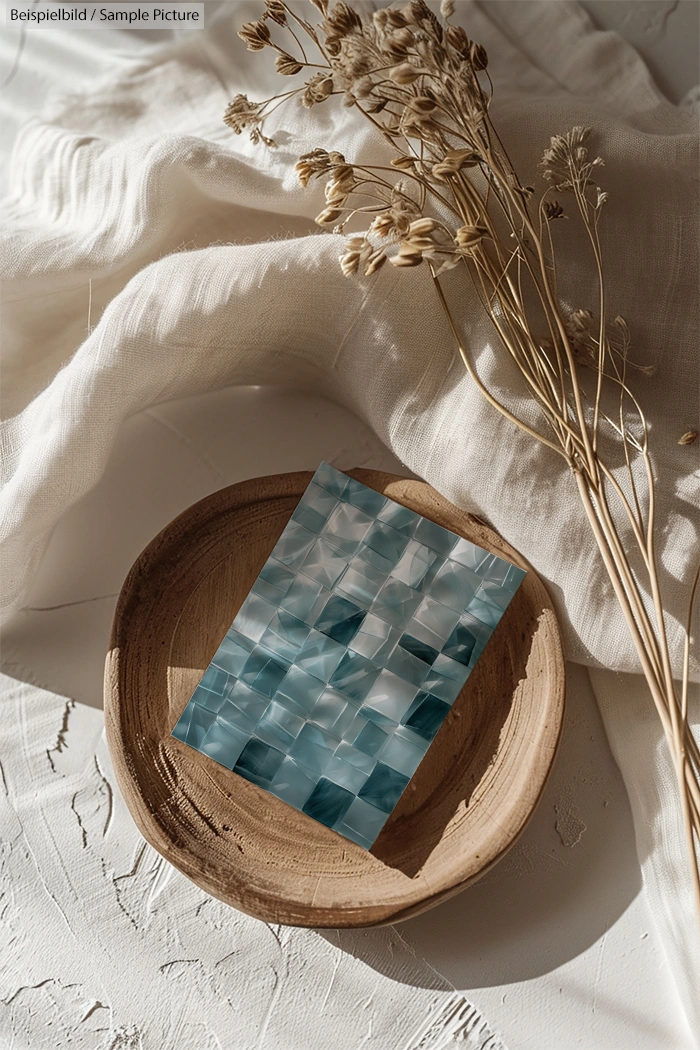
(346, 656)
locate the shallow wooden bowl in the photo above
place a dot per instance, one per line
(467, 803)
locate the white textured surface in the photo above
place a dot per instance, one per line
(104, 945)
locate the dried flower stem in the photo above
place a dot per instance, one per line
(452, 198)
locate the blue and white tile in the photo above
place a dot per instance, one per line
(293, 545)
(254, 617)
(400, 518)
(313, 747)
(390, 696)
(364, 498)
(438, 618)
(320, 656)
(386, 541)
(454, 585)
(401, 755)
(361, 582)
(435, 537)
(301, 598)
(292, 783)
(323, 564)
(331, 479)
(396, 603)
(347, 527)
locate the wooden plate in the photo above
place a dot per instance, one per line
(467, 803)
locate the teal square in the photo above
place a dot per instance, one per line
(361, 582)
(264, 671)
(354, 676)
(396, 603)
(293, 545)
(383, 788)
(364, 499)
(313, 747)
(258, 762)
(320, 656)
(400, 518)
(386, 541)
(331, 479)
(302, 597)
(324, 564)
(301, 688)
(293, 784)
(347, 527)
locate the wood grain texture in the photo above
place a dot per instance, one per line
(467, 803)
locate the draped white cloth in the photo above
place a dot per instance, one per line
(149, 254)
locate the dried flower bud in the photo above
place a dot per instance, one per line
(553, 210)
(242, 113)
(447, 8)
(420, 10)
(398, 43)
(343, 20)
(582, 320)
(407, 255)
(255, 34)
(341, 183)
(468, 237)
(360, 255)
(453, 161)
(422, 104)
(421, 244)
(316, 162)
(405, 74)
(421, 227)
(406, 12)
(317, 89)
(384, 223)
(395, 17)
(403, 38)
(275, 10)
(458, 39)
(328, 216)
(404, 163)
(349, 262)
(376, 260)
(478, 56)
(689, 438)
(355, 248)
(287, 66)
(622, 327)
(363, 87)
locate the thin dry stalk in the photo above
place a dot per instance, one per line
(451, 198)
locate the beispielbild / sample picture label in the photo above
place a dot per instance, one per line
(347, 655)
(141, 16)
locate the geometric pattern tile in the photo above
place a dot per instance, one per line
(346, 656)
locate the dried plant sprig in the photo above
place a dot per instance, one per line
(451, 198)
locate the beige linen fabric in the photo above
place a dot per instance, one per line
(199, 258)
